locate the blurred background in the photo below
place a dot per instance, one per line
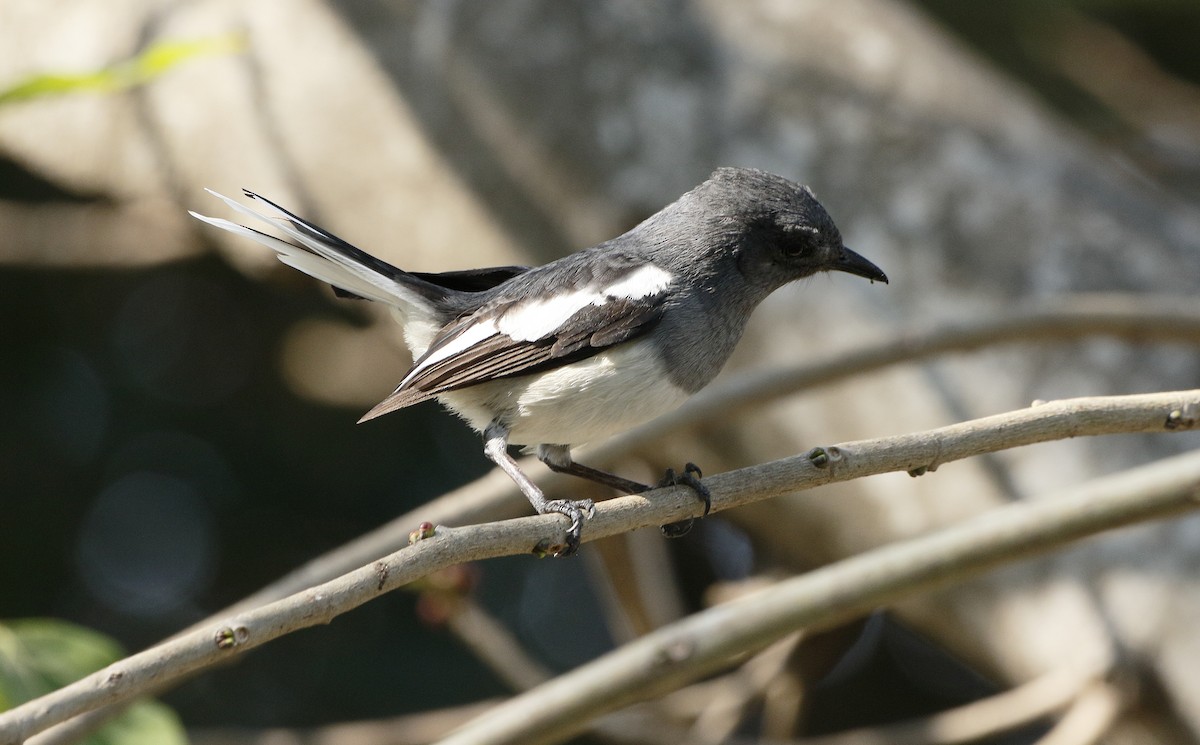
(178, 408)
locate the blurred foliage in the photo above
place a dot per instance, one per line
(40, 655)
(154, 61)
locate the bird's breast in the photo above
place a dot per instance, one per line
(586, 401)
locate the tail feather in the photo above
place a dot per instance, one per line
(324, 256)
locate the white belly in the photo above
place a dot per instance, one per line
(582, 402)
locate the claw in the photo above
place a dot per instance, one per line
(577, 512)
(679, 529)
(690, 478)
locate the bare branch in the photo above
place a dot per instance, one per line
(1090, 717)
(495, 646)
(214, 643)
(710, 640)
(409, 729)
(1039, 698)
(724, 711)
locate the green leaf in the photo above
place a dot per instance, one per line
(40, 655)
(144, 723)
(153, 61)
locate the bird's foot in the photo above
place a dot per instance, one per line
(577, 511)
(690, 478)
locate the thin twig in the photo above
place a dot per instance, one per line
(1039, 698)
(495, 646)
(711, 639)
(215, 643)
(409, 729)
(724, 711)
(1090, 717)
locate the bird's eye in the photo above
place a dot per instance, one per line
(795, 249)
(797, 242)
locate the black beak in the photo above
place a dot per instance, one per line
(852, 263)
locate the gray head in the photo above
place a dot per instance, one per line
(773, 229)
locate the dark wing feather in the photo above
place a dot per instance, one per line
(472, 280)
(467, 280)
(588, 331)
(595, 328)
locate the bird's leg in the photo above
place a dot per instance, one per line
(558, 459)
(496, 448)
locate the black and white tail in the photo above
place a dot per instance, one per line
(322, 255)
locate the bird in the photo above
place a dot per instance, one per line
(593, 343)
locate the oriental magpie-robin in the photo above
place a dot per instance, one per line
(593, 343)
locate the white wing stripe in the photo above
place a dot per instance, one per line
(464, 341)
(647, 280)
(536, 319)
